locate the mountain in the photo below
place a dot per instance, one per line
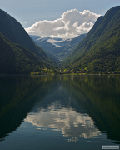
(15, 59)
(14, 32)
(18, 53)
(100, 50)
(58, 48)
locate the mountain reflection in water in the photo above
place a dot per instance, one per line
(78, 109)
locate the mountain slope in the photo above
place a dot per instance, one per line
(58, 48)
(15, 59)
(100, 50)
(14, 32)
(18, 53)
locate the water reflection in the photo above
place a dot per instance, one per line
(71, 123)
(17, 97)
(77, 107)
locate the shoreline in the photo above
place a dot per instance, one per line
(61, 74)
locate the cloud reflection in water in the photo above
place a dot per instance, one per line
(70, 123)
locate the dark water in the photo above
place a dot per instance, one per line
(64, 112)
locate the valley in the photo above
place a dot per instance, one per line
(97, 51)
(59, 75)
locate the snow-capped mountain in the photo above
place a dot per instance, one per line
(57, 47)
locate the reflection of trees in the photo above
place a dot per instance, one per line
(97, 96)
(100, 96)
(17, 97)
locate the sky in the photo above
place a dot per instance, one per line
(30, 11)
(72, 23)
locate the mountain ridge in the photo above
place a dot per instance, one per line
(15, 59)
(100, 50)
(59, 48)
(19, 54)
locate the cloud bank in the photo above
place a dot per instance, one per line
(71, 24)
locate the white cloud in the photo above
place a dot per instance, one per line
(71, 24)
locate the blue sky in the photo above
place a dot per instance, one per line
(30, 11)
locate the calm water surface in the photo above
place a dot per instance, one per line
(64, 112)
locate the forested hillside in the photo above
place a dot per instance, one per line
(100, 50)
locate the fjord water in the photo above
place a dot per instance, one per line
(63, 112)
